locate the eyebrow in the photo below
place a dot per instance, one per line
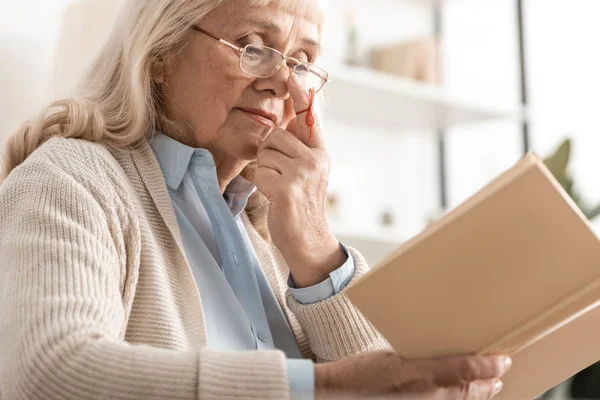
(273, 27)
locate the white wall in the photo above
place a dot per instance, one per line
(564, 66)
(481, 61)
(564, 86)
(27, 35)
(45, 46)
(375, 170)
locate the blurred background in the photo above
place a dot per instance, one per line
(429, 99)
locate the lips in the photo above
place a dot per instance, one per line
(262, 113)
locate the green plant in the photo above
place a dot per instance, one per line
(585, 384)
(558, 164)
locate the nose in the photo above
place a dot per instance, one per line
(276, 84)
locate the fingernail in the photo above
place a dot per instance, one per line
(507, 362)
(498, 387)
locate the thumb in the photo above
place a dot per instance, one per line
(293, 127)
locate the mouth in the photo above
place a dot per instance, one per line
(261, 116)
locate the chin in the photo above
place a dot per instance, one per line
(250, 145)
(249, 148)
(248, 153)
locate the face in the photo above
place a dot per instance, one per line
(208, 93)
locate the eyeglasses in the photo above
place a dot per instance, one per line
(263, 62)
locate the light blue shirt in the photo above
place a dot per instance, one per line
(240, 309)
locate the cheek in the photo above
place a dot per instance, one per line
(214, 80)
(206, 95)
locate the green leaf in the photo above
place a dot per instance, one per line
(558, 163)
(593, 213)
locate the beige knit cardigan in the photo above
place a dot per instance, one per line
(98, 301)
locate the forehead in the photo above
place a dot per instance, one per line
(278, 16)
(311, 10)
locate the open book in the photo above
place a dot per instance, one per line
(514, 270)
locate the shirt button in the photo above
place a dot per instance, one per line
(344, 285)
(235, 258)
(262, 337)
(205, 186)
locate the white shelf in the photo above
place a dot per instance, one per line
(374, 246)
(363, 96)
(381, 237)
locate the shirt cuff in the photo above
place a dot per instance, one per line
(301, 379)
(337, 281)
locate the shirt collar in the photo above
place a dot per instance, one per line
(238, 193)
(175, 157)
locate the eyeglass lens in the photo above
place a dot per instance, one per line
(262, 62)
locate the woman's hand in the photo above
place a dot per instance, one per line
(293, 173)
(384, 374)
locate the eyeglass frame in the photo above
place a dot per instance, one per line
(285, 58)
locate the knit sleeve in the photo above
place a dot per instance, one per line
(62, 317)
(335, 328)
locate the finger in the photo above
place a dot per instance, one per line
(484, 390)
(275, 160)
(266, 179)
(301, 128)
(293, 126)
(497, 386)
(460, 371)
(284, 142)
(480, 390)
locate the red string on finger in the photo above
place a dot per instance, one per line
(310, 118)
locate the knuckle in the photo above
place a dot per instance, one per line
(259, 177)
(488, 392)
(274, 137)
(418, 385)
(264, 145)
(499, 367)
(304, 98)
(407, 376)
(473, 391)
(282, 134)
(268, 154)
(295, 189)
(479, 391)
(313, 163)
(468, 370)
(304, 177)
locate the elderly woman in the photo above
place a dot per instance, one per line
(164, 235)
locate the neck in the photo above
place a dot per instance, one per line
(227, 166)
(227, 170)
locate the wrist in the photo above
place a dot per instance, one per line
(322, 379)
(313, 268)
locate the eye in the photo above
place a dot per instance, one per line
(255, 51)
(302, 69)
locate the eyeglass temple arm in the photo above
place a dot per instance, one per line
(225, 42)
